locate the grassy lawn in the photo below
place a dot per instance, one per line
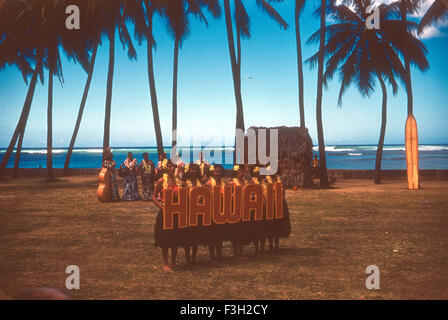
(336, 234)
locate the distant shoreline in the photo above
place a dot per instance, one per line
(426, 175)
(359, 157)
(445, 144)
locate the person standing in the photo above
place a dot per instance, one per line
(147, 169)
(110, 164)
(240, 236)
(315, 166)
(130, 192)
(218, 233)
(159, 169)
(167, 239)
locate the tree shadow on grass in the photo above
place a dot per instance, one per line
(249, 258)
(304, 252)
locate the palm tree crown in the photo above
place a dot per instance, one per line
(358, 53)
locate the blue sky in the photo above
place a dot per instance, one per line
(206, 99)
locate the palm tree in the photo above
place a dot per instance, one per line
(87, 38)
(151, 9)
(300, 4)
(404, 7)
(21, 45)
(18, 58)
(178, 12)
(142, 12)
(81, 109)
(39, 25)
(179, 28)
(360, 54)
(437, 12)
(51, 15)
(242, 22)
(113, 17)
(320, 129)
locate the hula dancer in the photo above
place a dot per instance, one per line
(282, 227)
(148, 174)
(167, 239)
(216, 179)
(193, 179)
(239, 239)
(259, 227)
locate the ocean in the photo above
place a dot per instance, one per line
(338, 156)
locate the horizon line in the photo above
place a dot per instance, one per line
(169, 147)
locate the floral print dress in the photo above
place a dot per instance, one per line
(130, 192)
(148, 175)
(110, 166)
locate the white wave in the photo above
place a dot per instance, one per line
(386, 148)
(44, 151)
(356, 149)
(420, 148)
(335, 149)
(355, 154)
(88, 150)
(433, 148)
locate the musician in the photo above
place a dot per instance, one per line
(110, 164)
(167, 239)
(148, 171)
(130, 181)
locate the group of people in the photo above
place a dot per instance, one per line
(129, 170)
(169, 175)
(203, 174)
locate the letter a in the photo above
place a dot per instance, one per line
(72, 281)
(73, 20)
(375, 16)
(373, 281)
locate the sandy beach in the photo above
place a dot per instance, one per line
(336, 234)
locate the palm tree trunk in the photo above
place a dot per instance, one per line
(409, 86)
(175, 72)
(379, 150)
(81, 110)
(299, 65)
(320, 130)
(23, 118)
(17, 155)
(152, 85)
(238, 51)
(408, 80)
(235, 68)
(110, 79)
(50, 126)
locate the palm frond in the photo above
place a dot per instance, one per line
(272, 13)
(436, 13)
(242, 19)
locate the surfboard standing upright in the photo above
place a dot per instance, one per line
(411, 144)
